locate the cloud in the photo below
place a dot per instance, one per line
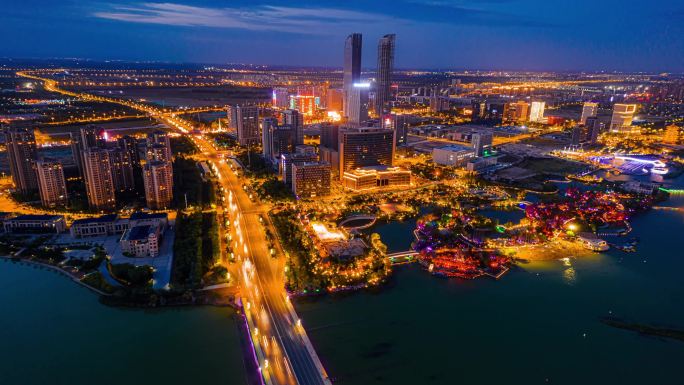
(259, 18)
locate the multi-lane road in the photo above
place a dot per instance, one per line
(282, 347)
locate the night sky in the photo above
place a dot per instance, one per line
(623, 35)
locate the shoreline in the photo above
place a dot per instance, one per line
(108, 299)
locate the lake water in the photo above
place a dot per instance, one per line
(539, 324)
(53, 331)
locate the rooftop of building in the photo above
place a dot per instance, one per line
(101, 219)
(138, 232)
(142, 215)
(375, 170)
(455, 147)
(37, 217)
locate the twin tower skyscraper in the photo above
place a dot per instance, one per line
(356, 92)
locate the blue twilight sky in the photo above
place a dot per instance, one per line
(626, 35)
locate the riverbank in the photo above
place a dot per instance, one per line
(221, 297)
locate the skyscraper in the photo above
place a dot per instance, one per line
(594, 128)
(363, 147)
(384, 77)
(51, 182)
(589, 110)
(87, 137)
(98, 179)
(21, 154)
(357, 104)
(245, 119)
(122, 170)
(352, 64)
(158, 180)
(623, 114)
(295, 120)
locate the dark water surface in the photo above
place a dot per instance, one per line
(55, 332)
(539, 324)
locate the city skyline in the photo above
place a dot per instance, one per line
(503, 35)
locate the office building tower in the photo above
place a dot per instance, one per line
(301, 155)
(352, 65)
(92, 137)
(537, 112)
(623, 114)
(516, 113)
(589, 110)
(576, 136)
(51, 183)
(593, 128)
(98, 179)
(158, 180)
(21, 154)
(384, 76)
(334, 100)
(245, 119)
(280, 98)
(327, 150)
(363, 147)
(482, 143)
(479, 110)
(329, 136)
(311, 179)
(295, 120)
(76, 151)
(268, 126)
(357, 104)
(276, 139)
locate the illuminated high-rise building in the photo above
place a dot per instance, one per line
(295, 120)
(21, 154)
(159, 146)
(384, 77)
(51, 183)
(276, 139)
(537, 112)
(516, 113)
(122, 170)
(334, 100)
(87, 137)
(623, 115)
(363, 147)
(301, 155)
(352, 64)
(280, 98)
(593, 129)
(98, 179)
(311, 179)
(589, 110)
(245, 119)
(357, 104)
(158, 180)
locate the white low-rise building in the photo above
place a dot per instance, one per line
(452, 155)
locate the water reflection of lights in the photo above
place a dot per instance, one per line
(570, 276)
